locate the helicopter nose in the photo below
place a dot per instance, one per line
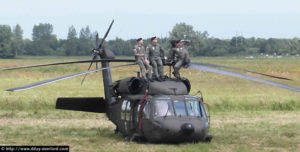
(187, 128)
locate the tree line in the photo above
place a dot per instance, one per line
(44, 43)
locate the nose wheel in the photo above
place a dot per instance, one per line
(208, 138)
(135, 137)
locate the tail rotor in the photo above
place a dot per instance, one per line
(98, 50)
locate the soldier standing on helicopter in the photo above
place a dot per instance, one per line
(156, 53)
(141, 59)
(180, 55)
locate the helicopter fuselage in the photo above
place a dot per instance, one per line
(158, 111)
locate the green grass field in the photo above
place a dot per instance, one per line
(245, 115)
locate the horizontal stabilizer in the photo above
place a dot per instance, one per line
(87, 104)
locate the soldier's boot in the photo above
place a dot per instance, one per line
(186, 65)
(162, 78)
(149, 75)
(150, 80)
(159, 79)
(145, 80)
(173, 74)
(177, 76)
(144, 76)
(143, 72)
(156, 75)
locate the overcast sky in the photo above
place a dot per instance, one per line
(138, 18)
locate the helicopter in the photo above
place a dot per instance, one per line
(154, 111)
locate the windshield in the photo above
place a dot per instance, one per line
(193, 108)
(163, 108)
(179, 108)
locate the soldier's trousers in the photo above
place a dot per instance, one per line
(177, 67)
(158, 67)
(145, 68)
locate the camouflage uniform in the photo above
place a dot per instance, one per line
(181, 56)
(140, 60)
(156, 54)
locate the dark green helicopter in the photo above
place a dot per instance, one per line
(147, 111)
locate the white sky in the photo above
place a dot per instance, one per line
(137, 18)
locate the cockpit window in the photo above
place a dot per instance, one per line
(125, 113)
(163, 108)
(203, 109)
(146, 111)
(193, 108)
(179, 108)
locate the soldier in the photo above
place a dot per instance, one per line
(180, 55)
(141, 59)
(172, 56)
(156, 53)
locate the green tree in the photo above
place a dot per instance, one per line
(28, 46)
(44, 42)
(42, 32)
(85, 33)
(18, 39)
(72, 34)
(278, 46)
(219, 51)
(216, 47)
(237, 45)
(6, 47)
(120, 47)
(85, 43)
(184, 31)
(71, 43)
(294, 46)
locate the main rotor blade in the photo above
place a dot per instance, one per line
(97, 40)
(62, 78)
(89, 69)
(198, 66)
(71, 62)
(103, 39)
(228, 67)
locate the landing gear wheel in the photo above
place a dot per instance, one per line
(208, 138)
